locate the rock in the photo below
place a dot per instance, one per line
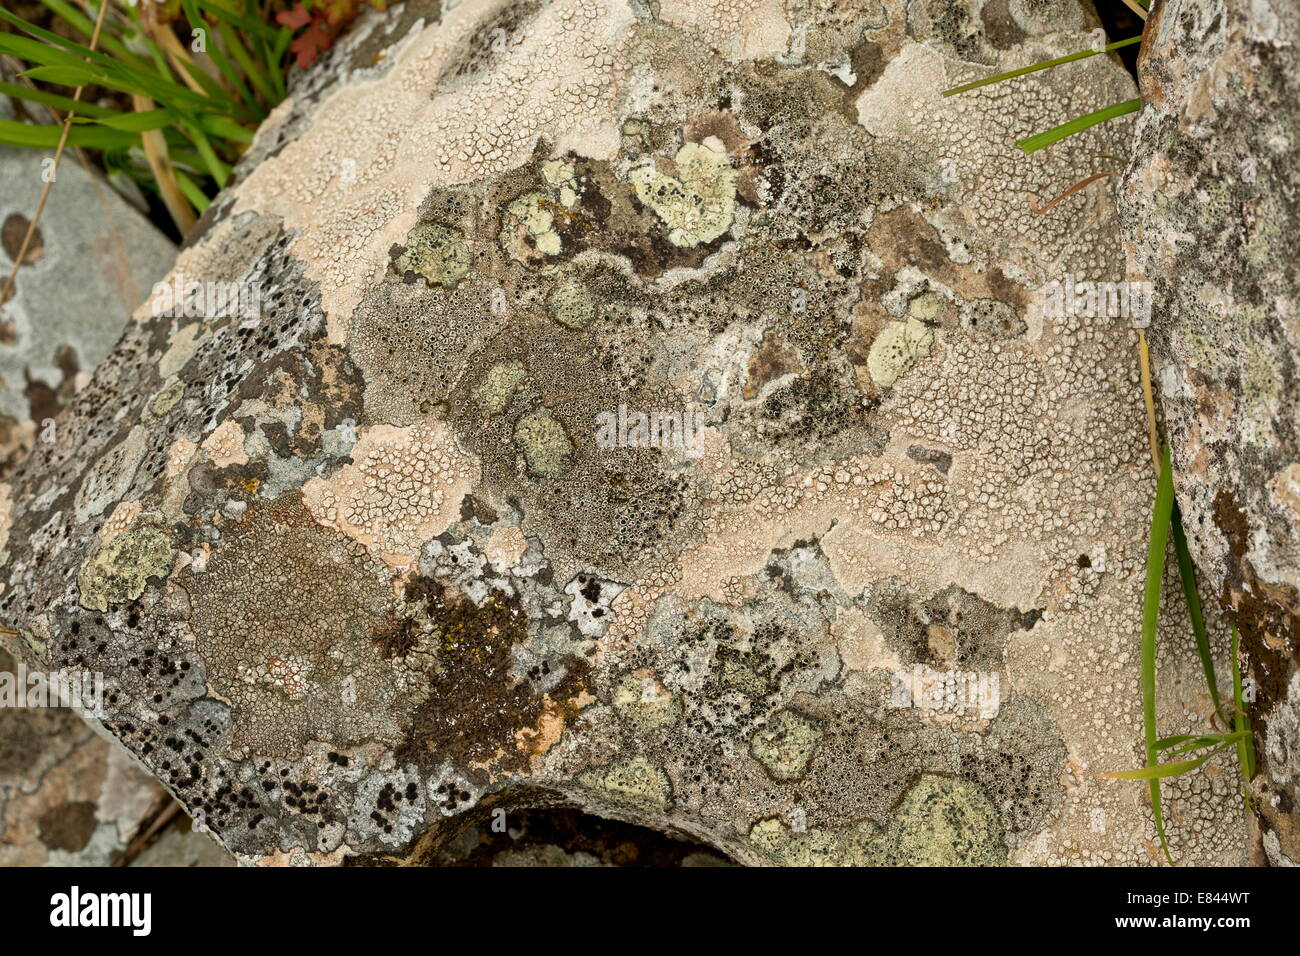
(91, 263)
(844, 621)
(1209, 204)
(68, 796)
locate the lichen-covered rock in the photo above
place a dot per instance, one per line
(1211, 208)
(561, 462)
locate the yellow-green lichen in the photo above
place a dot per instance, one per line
(945, 822)
(436, 252)
(528, 227)
(571, 304)
(499, 385)
(166, 398)
(118, 570)
(786, 744)
(545, 445)
(698, 207)
(858, 845)
(897, 348)
(561, 176)
(635, 780)
(644, 704)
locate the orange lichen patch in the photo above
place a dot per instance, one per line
(225, 446)
(545, 734)
(405, 486)
(403, 136)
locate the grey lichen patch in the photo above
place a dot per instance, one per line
(166, 399)
(435, 252)
(118, 571)
(786, 744)
(571, 304)
(945, 822)
(699, 206)
(499, 385)
(635, 780)
(897, 347)
(545, 444)
(858, 845)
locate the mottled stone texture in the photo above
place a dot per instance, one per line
(363, 568)
(68, 797)
(91, 262)
(1211, 202)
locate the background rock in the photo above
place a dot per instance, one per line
(1210, 206)
(94, 259)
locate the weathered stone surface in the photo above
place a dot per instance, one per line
(68, 797)
(408, 585)
(1211, 208)
(92, 261)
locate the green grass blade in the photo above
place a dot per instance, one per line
(1215, 741)
(218, 57)
(1150, 619)
(1033, 144)
(86, 26)
(198, 199)
(1044, 65)
(141, 121)
(254, 73)
(1154, 774)
(215, 167)
(34, 51)
(110, 72)
(1164, 743)
(1241, 723)
(27, 135)
(54, 101)
(1187, 574)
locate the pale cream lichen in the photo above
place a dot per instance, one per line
(699, 206)
(225, 446)
(898, 347)
(404, 487)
